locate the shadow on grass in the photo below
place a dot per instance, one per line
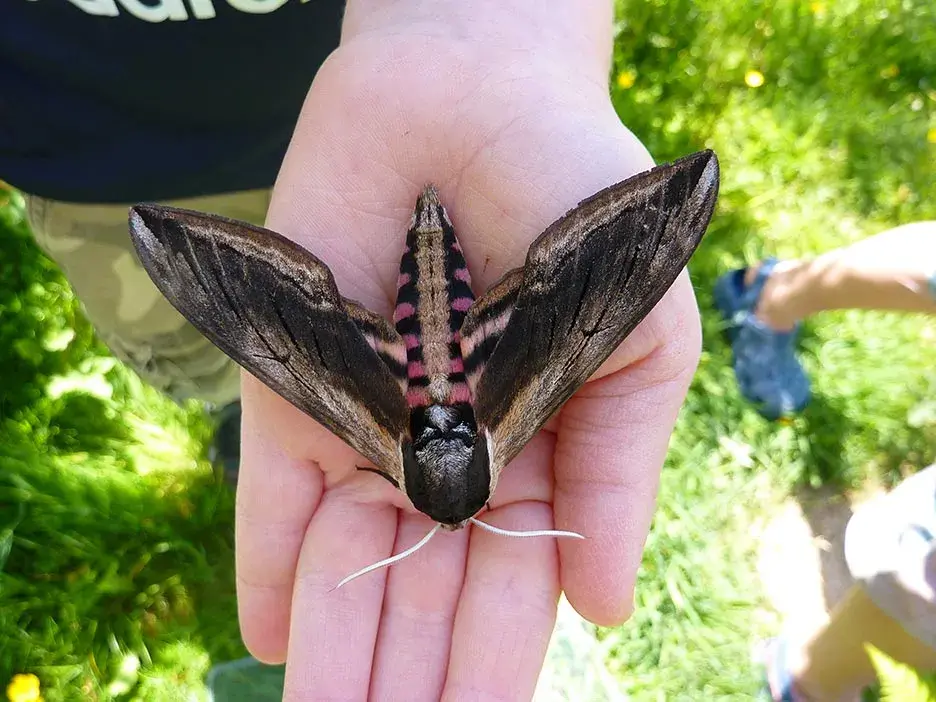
(827, 512)
(825, 427)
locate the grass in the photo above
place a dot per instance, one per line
(830, 148)
(116, 540)
(116, 560)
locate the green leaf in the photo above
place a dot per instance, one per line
(6, 546)
(900, 682)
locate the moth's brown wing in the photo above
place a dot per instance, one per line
(589, 279)
(274, 308)
(383, 338)
(485, 323)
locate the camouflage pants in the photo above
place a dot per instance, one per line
(92, 246)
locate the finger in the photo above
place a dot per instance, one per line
(301, 437)
(419, 613)
(333, 632)
(276, 497)
(610, 448)
(529, 475)
(507, 609)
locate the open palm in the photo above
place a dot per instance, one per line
(511, 142)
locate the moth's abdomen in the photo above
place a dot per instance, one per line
(433, 295)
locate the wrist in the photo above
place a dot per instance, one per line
(576, 33)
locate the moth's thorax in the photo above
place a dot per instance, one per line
(450, 421)
(433, 295)
(447, 471)
(443, 437)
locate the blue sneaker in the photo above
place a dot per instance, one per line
(765, 364)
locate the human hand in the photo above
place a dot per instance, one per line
(506, 110)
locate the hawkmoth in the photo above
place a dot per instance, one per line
(444, 397)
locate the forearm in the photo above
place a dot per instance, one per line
(888, 271)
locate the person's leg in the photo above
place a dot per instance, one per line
(890, 547)
(91, 244)
(834, 666)
(764, 304)
(889, 271)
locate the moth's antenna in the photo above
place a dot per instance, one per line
(477, 522)
(524, 534)
(390, 561)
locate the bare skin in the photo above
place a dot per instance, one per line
(505, 107)
(888, 271)
(834, 665)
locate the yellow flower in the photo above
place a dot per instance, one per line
(754, 79)
(24, 688)
(931, 135)
(626, 79)
(891, 71)
(818, 8)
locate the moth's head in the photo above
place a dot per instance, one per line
(447, 469)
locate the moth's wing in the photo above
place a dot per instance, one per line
(589, 279)
(275, 309)
(382, 337)
(485, 323)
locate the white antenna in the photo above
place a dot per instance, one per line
(393, 559)
(477, 522)
(524, 534)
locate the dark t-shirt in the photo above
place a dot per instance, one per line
(126, 100)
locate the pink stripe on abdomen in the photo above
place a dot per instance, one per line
(417, 397)
(402, 311)
(459, 393)
(462, 304)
